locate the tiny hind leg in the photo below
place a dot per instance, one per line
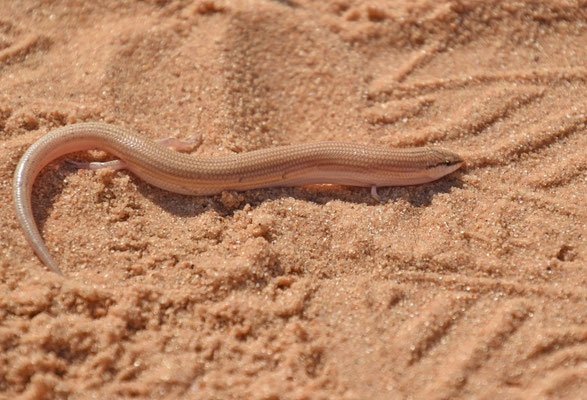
(96, 165)
(182, 146)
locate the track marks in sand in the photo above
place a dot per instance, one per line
(428, 356)
(418, 335)
(396, 110)
(563, 171)
(555, 343)
(569, 383)
(383, 87)
(471, 354)
(447, 341)
(16, 45)
(552, 362)
(537, 137)
(473, 117)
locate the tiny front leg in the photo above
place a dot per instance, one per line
(374, 193)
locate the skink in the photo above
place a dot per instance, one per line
(300, 164)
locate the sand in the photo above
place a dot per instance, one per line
(474, 286)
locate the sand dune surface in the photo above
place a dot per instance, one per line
(474, 286)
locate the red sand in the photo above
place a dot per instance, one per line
(474, 286)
